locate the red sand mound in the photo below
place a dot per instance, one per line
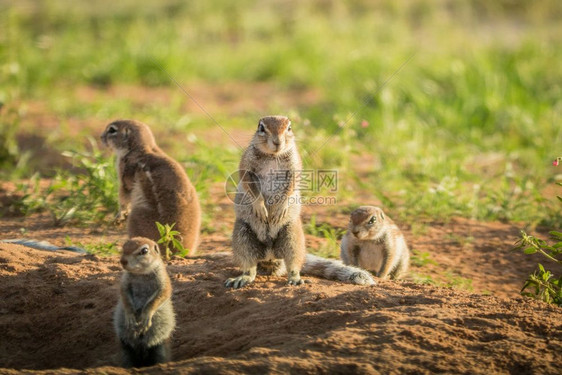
(56, 312)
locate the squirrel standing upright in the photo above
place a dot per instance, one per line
(268, 229)
(144, 318)
(268, 224)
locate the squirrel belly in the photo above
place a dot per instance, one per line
(144, 317)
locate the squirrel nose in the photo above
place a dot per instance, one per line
(355, 232)
(276, 142)
(123, 262)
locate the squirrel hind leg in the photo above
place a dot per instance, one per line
(289, 246)
(247, 251)
(142, 356)
(130, 355)
(400, 270)
(160, 353)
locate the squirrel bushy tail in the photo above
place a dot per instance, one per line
(43, 245)
(332, 269)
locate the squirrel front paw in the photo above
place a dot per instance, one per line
(144, 323)
(238, 282)
(121, 216)
(260, 210)
(280, 214)
(295, 278)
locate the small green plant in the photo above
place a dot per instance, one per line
(419, 278)
(456, 281)
(32, 198)
(449, 279)
(85, 197)
(171, 240)
(543, 284)
(420, 259)
(88, 196)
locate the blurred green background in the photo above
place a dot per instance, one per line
(468, 127)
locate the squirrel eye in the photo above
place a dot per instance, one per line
(144, 250)
(261, 128)
(373, 219)
(289, 128)
(112, 129)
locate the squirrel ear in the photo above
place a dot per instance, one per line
(382, 216)
(127, 130)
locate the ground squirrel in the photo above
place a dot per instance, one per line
(268, 230)
(268, 224)
(375, 243)
(153, 186)
(144, 317)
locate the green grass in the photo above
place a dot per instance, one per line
(81, 197)
(420, 259)
(467, 128)
(450, 280)
(458, 282)
(330, 248)
(102, 248)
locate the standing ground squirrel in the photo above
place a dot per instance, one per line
(153, 186)
(268, 224)
(268, 230)
(144, 317)
(373, 242)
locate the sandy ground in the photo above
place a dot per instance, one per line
(56, 310)
(56, 313)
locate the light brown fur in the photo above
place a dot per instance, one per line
(153, 186)
(374, 242)
(268, 224)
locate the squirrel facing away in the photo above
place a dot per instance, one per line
(373, 242)
(268, 229)
(152, 186)
(144, 318)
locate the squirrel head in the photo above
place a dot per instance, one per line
(367, 222)
(274, 135)
(140, 255)
(127, 135)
